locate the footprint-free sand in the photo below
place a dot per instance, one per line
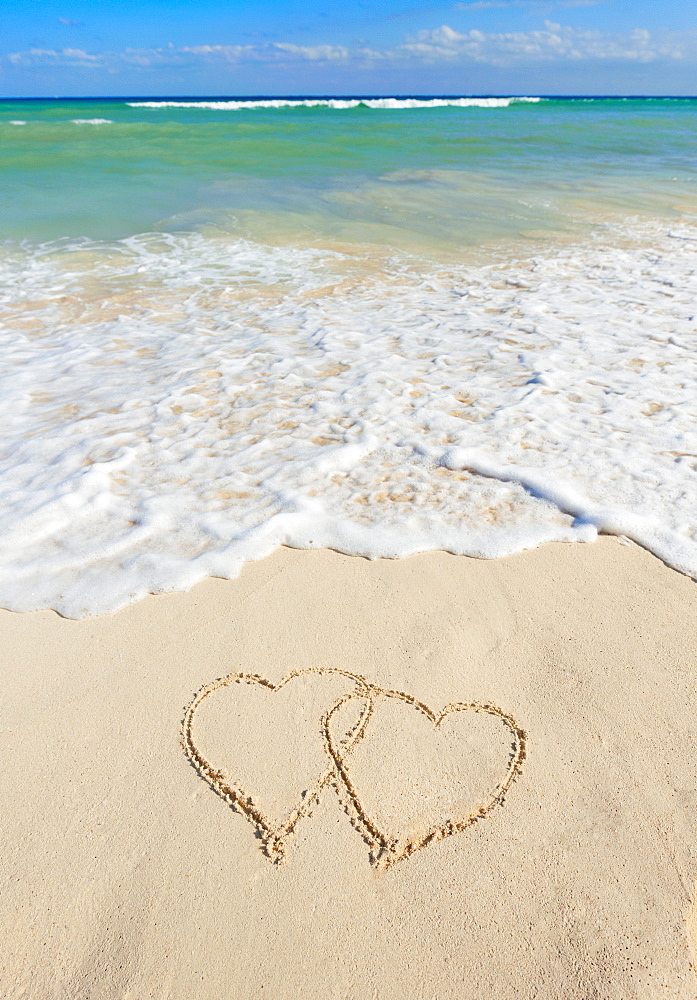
(427, 779)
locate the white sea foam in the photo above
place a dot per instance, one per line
(92, 121)
(175, 405)
(17, 122)
(339, 104)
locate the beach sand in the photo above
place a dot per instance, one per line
(126, 876)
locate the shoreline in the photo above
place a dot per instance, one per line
(480, 412)
(129, 876)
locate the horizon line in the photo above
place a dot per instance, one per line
(345, 97)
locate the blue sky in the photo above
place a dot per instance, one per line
(204, 47)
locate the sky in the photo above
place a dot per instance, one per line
(75, 48)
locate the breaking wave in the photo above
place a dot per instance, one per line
(342, 104)
(174, 405)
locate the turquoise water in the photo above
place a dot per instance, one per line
(416, 178)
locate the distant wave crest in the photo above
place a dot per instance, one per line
(390, 103)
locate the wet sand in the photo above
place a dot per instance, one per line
(477, 781)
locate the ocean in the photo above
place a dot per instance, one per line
(381, 325)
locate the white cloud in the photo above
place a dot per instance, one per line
(226, 53)
(539, 6)
(274, 52)
(54, 57)
(315, 53)
(553, 42)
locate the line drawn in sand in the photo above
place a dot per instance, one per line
(386, 847)
(274, 835)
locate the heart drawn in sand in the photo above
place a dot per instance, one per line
(265, 740)
(407, 776)
(414, 777)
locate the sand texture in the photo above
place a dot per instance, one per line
(332, 778)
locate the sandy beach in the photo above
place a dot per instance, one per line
(348, 493)
(431, 778)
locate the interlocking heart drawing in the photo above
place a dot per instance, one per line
(406, 775)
